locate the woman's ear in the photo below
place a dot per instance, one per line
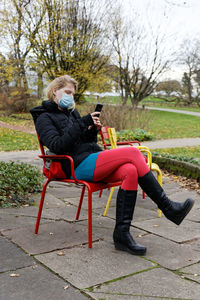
(54, 91)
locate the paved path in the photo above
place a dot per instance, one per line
(185, 112)
(57, 264)
(172, 143)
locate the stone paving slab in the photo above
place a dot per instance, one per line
(104, 226)
(171, 187)
(169, 254)
(36, 283)
(185, 232)
(84, 267)
(15, 221)
(99, 296)
(192, 272)
(195, 245)
(51, 236)
(146, 203)
(140, 214)
(158, 283)
(29, 211)
(96, 201)
(183, 194)
(194, 214)
(68, 212)
(11, 257)
(50, 201)
(62, 192)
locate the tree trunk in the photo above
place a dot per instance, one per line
(40, 84)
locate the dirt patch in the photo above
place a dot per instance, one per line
(17, 128)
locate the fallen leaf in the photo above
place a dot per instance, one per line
(14, 275)
(60, 253)
(66, 287)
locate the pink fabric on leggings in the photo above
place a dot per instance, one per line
(121, 164)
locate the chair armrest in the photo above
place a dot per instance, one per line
(62, 157)
(149, 156)
(129, 143)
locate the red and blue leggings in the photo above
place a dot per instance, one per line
(122, 164)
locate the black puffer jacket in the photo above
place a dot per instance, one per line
(65, 132)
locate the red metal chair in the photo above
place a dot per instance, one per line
(91, 186)
(105, 136)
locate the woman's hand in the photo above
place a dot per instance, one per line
(97, 123)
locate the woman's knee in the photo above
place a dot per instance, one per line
(129, 169)
(129, 177)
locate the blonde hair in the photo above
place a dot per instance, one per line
(59, 83)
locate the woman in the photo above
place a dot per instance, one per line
(63, 131)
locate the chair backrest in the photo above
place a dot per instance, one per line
(41, 148)
(104, 135)
(113, 137)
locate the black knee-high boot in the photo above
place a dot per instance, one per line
(124, 214)
(174, 211)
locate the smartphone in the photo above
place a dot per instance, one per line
(98, 108)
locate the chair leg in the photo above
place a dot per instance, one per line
(89, 219)
(108, 202)
(80, 203)
(159, 178)
(100, 193)
(143, 195)
(41, 206)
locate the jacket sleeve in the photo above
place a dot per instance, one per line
(90, 135)
(51, 138)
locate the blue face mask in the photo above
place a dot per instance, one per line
(67, 101)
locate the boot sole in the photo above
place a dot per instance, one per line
(122, 247)
(187, 210)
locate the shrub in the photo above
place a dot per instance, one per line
(120, 117)
(136, 134)
(17, 180)
(16, 100)
(191, 160)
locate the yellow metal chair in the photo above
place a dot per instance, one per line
(153, 166)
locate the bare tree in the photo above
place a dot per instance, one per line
(140, 59)
(189, 57)
(15, 18)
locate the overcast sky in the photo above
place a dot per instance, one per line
(177, 19)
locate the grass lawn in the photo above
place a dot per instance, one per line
(193, 151)
(11, 140)
(166, 125)
(148, 101)
(156, 102)
(19, 122)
